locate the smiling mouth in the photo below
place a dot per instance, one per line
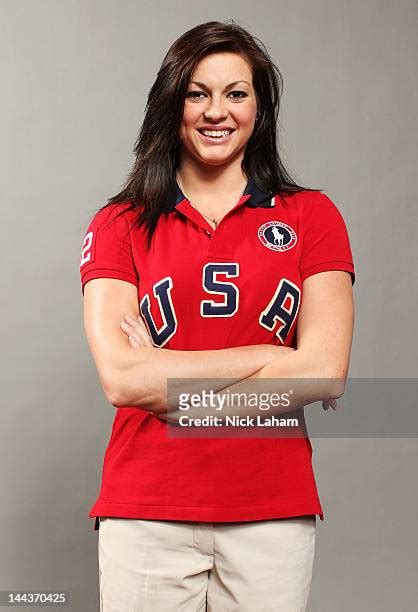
(215, 135)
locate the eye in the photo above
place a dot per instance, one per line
(194, 95)
(236, 94)
(243, 94)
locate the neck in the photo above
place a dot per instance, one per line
(211, 182)
(212, 190)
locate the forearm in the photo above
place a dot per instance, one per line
(142, 381)
(293, 380)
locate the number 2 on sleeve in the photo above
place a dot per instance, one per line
(86, 250)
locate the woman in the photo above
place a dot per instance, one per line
(197, 270)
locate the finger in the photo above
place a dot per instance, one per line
(147, 333)
(135, 321)
(127, 329)
(133, 342)
(139, 324)
(145, 338)
(141, 335)
(331, 403)
(130, 332)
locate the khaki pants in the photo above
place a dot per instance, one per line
(182, 566)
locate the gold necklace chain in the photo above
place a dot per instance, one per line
(214, 220)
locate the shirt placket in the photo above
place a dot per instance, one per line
(221, 246)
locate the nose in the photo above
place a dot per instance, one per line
(215, 111)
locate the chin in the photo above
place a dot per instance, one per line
(219, 161)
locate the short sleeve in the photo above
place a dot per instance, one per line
(106, 251)
(325, 241)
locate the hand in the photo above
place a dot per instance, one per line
(327, 403)
(136, 330)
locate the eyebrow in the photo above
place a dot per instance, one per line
(227, 87)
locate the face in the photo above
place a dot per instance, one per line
(220, 96)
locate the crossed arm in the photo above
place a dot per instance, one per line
(134, 373)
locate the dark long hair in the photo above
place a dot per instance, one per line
(150, 186)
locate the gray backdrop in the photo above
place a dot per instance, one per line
(75, 76)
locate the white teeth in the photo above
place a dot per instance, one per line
(216, 133)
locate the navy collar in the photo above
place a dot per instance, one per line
(258, 199)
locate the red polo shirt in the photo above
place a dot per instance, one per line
(205, 289)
